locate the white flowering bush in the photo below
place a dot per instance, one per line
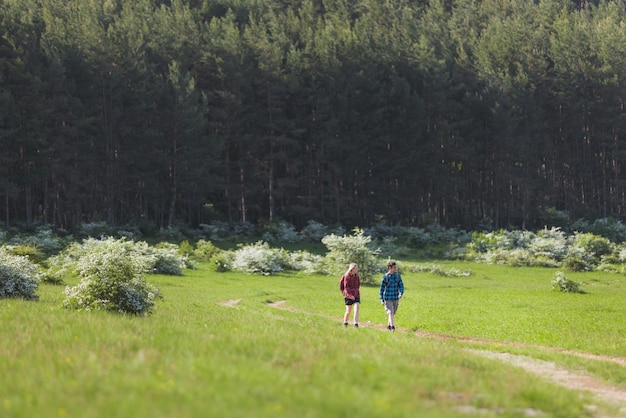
(610, 228)
(439, 270)
(579, 260)
(164, 258)
(547, 248)
(388, 247)
(220, 230)
(172, 233)
(484, 242)
(421, 238)
(94, 229)
(355, 248)
(19, 277)
(563, 284)
(441, 235)
(550, 243)
(129, 231)
(314, 231)
(44, 239)
(168, 259)
(216, 230)
(621, 253)
(259, 258)
(112, 276)
(281, 232)
(305, 261)
(431, 235)
(68, 259)
(380, 230)
(514, 256)
(244, 229)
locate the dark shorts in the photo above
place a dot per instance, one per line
(352, 301)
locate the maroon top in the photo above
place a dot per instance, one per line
(351, 285)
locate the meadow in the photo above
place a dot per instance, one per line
(216, 346)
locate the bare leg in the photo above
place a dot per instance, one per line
(356, 313)
(347, 314)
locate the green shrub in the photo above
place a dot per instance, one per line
(563, 284)
(30, 251)
(205, 250)
(19, 277)
(51, 277)
(185, 248)
(576, 263)
(594, 245)
(221, 262)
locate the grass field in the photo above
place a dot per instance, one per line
(199, 356)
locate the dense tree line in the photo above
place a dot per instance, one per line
(459, 112)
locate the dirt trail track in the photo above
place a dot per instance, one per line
(575, 380)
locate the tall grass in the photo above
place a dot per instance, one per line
(197, 357)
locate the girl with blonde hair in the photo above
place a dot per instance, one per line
(350, 285)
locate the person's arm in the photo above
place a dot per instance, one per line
(400, 287)
(382, 288)
(342, 284)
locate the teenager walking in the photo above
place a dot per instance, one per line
(350, 285)
(391, 291)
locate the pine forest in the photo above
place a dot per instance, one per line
(463, 113)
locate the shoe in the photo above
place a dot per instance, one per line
(393, 328)
(345, 324)
(356, 325)
(388, 327)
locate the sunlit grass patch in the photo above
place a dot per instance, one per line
(195, 356)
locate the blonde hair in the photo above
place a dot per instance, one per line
(350, 267)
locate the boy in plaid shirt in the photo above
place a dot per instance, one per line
(391, 291)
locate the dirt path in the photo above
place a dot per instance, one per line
(230, 303)
(547, 370)
(618, 360)
(563, 377)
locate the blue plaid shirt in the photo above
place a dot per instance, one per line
(391, 287)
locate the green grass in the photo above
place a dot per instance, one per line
(194, 357)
